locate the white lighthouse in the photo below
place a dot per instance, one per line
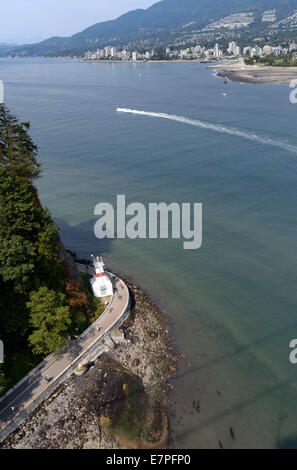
(101, 284)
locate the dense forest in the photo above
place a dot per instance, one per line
(41, 303)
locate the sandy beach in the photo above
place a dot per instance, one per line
(236, 71)
(256, 74)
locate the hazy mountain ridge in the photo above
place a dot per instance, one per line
(170, 19)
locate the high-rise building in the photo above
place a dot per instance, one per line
(232, 48)
(113, 52)
(256, 51)
(107, 51)
(277, 50)
(217, 52)
(88, 55)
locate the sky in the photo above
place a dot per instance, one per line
(26, 21)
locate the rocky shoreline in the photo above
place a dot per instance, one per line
(143, 350)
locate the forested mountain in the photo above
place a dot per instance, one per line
(6, 48)
(169, 20)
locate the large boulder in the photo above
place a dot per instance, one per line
(116, 398)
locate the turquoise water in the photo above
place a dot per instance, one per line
(232, 304)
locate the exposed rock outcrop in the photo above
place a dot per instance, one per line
(116, 399)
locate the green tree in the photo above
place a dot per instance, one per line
(29, 259)
(50, 318)
(249, 61)
(49, 266)
(17, 261)
(28, 237)
(17, 150)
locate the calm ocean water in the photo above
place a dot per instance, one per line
(232, 304)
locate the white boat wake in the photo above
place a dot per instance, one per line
(214, 127)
